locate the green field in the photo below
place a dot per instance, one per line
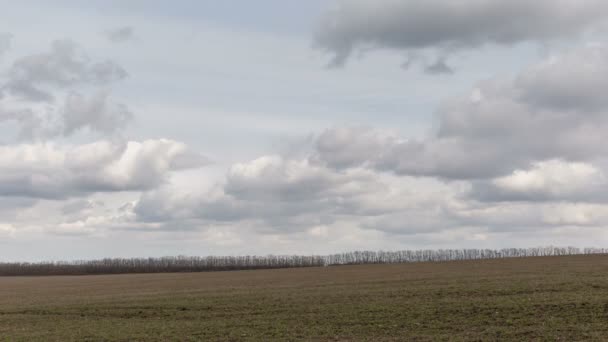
(545, 298)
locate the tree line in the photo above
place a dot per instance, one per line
(233, 263)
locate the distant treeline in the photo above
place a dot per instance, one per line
(231, 263)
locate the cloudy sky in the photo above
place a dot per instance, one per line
(149, 128)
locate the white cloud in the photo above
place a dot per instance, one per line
(579, 214)
(46, 170)
(554, 179)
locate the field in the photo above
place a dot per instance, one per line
(543, 298)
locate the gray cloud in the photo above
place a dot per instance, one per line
(10, 206)
(77, 206)
(36, 81)
(445, 26)
(572, 81)
(96, 113)
(344, 147)
(120, 34)
(439, 67)
(65, 65)
(554, 110)
(31, 124)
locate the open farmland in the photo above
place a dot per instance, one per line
(543, 298)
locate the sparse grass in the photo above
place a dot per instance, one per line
(544, 299)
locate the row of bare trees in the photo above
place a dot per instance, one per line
(159, 265)
(230, 263)
(382, 257)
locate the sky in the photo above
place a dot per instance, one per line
(153, 128)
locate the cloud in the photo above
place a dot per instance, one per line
(91, 217)
(95, 113)
(297, 198)
(511, 158)
(440, 27)
(553, 180)
(274, 178)
(280, 192)
(34, 77)
(532, 218)
(46, 170)
(444, 158)
(78, 206)
(571, 81)
(439, 67)
(552, 110)
(350, 146)
(497, 161)
(5, 42)
(31, 123)
(120, 34)
(62, 92)
(278, 195)
(577, 214)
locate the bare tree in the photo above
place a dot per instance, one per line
(248, 262)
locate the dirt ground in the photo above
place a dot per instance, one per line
(544, 299)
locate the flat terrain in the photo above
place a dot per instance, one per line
(549, 298)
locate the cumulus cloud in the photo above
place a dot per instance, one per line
(552, 180)
(65, 65)
(444, 26)
(518, 155)
(445, 158)
(62, 92)
(504, 159)
(289, 197)
(278, 195)
(280, 192)
(120, 34)
(343, 147)
(46, 170)
(571, 81)
(508, 158)
(553, 110)
(96, 113)
(273, 177)
(90, 216)
(498, 160)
